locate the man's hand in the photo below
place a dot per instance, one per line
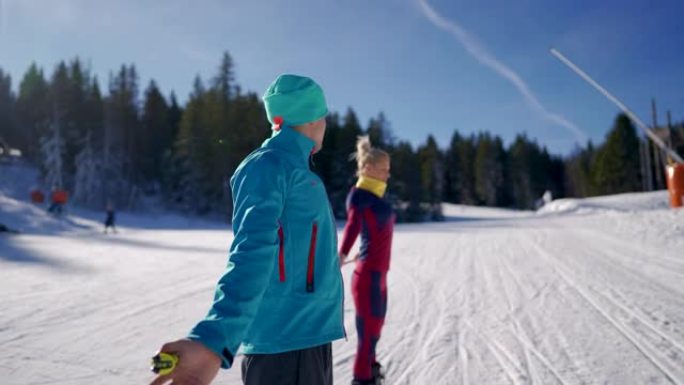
(197, 365)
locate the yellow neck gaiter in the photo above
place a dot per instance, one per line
(375, 186)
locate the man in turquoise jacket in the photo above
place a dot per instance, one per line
(280, 299)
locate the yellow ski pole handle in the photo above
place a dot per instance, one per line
(164, 363)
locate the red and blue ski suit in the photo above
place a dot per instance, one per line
(373, 218)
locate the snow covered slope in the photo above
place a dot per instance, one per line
(588, 295)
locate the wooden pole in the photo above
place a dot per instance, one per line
(617, 102)
(669, 133)
(658, 165)
(642, 165)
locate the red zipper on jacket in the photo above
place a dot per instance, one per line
(312, 255)
(281, 253)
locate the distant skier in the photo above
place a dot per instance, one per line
(110, 219)
(372, 216)
(37, 196)
(58, 199)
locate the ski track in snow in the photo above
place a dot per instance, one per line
(500, 298)
(670, 362)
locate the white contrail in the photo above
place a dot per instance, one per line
(484, 57)
(2, 19)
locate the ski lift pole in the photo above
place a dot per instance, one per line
(673, 155)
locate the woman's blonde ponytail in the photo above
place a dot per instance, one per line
(367, 154)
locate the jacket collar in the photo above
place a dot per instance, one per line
(377, 187)
(291, 141)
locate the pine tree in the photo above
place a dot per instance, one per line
(406, 183)
(155, 138)
(8, 132)
(53, 142)
(33, 112)
(194, 154)
(578, 180)
(532, 171)
(432, 176)
(223, 82)
(489, 170)
(324, 161)
(123, 114)
(52, 154)
(94, 114)
(120, 130)
(344, 168)
(170, 173)
(251, 125)
(74, 123)
(616, 165)
(236, 126)
(380, 132)
(677, 135)
(89, 179)
(466, 150)
(556, 177)
(452, 164)
(174, 117)
(526, 170)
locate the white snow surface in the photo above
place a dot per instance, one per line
(586, 291)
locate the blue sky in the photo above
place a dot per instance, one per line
(430, 66)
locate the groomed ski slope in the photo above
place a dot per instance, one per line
(583, 292)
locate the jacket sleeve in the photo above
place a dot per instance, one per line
(258, 197)
(352, 228)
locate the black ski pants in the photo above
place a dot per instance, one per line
(311, 366)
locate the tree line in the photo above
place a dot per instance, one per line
(124, 145)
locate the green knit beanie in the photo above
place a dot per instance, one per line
(294, 100)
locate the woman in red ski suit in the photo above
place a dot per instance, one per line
(371, 216)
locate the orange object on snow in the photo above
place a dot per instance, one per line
(675, 184)
(60, 196)
(37, 196)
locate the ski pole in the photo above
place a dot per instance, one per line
(164, 363)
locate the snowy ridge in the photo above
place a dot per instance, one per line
(27, 217)
(18, 213)
(455, 212)
(623, 203)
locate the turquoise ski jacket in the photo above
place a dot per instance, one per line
(282, 289)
